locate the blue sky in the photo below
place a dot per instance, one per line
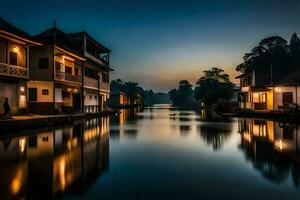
(158, 43)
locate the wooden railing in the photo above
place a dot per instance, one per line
(14, 71)
(90, 82)
(62, 76)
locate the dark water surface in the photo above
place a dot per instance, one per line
(159, 153)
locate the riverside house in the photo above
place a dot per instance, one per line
(262, 90)
(14, 65)
(96, 70)
(56, 75)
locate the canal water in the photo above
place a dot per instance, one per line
(157, 153)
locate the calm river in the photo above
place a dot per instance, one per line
(159, 153)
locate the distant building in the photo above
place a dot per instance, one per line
(119, 99)
(14, 65)
(95, 70)
(262, 91)
(56, 75)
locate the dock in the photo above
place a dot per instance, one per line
(34, 121)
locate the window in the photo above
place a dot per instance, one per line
(32, 142)
(76, 72)
(45, 92)
(287, 133)
(43, 63)
(13, 58)
(95, 97)
(287, 97)
(68, 70)
(90, 97)
(32, 94)
(105, 78)
(91, 73)
(57, 66)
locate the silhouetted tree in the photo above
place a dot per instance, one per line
(270, 51)
(183, 96)
(133, 90)
(213, 87)
(295, 49)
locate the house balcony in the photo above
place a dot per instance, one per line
(13, 71)
(62, 76)
(90, 82)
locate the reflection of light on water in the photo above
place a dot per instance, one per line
(22, 144)
(247, 137)
(62, 167)
(16, 183)
(91, 134)
(279, 144)
(72, 143)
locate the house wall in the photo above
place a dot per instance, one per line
(278, 95)
(16, 94)
(42, 85)
(44, 103)
(89, 98)
(270, 100)
(58, 95)
(36, 53)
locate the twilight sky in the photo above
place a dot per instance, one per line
(157, 43)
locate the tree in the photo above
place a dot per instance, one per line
(183, 96)
(271, 51)
(295, 50)
(213, 87)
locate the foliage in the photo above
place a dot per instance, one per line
(213, 87)
(183, 96)
(273, 51)
(133, 91)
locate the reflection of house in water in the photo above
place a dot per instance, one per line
(273, 148)
(118, 130)
(55, 161)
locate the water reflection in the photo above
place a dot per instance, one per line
(45, 164)
(117, 122)
(215, 134)
(272, 147)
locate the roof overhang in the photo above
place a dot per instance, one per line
(69, 53)
(18, 38)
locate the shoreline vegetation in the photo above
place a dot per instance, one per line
(134, 91)
(213, 90)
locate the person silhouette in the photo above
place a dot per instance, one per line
(6, 108)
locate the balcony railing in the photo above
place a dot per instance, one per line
(62, 76)
(90, 82)
(104, 86)
(14, 71)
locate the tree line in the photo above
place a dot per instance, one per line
(213, 87)
(133, 90)
(273, 53)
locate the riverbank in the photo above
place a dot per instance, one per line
(34, 121)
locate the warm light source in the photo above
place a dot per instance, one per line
(15, 49)
(22, 89)
(277, 89)
(22, 144)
